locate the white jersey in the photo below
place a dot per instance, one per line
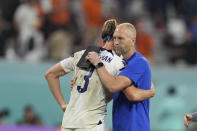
(88, 100)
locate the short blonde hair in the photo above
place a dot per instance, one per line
(129, 28)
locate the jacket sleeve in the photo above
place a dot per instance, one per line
(194, 117)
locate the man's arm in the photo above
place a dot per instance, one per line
(189, 118)
(194, 117)
(135, 94)
(113, 84)
(52, 77)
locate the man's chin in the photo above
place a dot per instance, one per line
(118, 53)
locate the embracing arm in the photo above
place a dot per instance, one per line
(113, 84)
(135, 94)
(120, 83)
(52, 77)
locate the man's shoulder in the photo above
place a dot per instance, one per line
(138, 62)
(140, 59)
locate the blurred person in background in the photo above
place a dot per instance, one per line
(124, 9)
(190, 10)
(176, 27)
(144, 41)
(7, 31)
(162, 10)
(30, 118)
(59, 45)
(92, 10)
(186, 51)
(193, 28)
(180, 42)
(189, 118)
(58, 29)
(169, 112)
(8, 7)
(59, 14)
(3, 113)
(5, 35)
(28, 21)
(157, 9)
(90, 100)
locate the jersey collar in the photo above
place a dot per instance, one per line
(134, 54)
(102, 49)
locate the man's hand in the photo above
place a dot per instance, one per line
(93, 57)
(187, 120)
(64, 107)
(152, 89)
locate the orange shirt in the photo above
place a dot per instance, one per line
(60, 13)
(93, 12)
(145, 44)
(40, 12)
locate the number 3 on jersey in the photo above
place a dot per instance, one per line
(86, 78)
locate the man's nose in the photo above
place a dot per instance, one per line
(116, 42)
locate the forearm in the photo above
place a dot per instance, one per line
(135, 94)
(113, 84)
(107, 79)
(194, 117)
(54, 85)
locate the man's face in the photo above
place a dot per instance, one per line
(122, 41)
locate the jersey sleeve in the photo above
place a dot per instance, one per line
(118, 66)
(67, 64)
(134, 70)
(194, 117)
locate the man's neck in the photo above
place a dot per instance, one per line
(129, 53)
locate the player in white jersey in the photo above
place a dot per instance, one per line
(87, 106)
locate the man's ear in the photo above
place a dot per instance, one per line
(133, 40)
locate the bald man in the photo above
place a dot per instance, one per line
(127, 115)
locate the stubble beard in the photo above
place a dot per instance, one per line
(117, 51)
(124, 50)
